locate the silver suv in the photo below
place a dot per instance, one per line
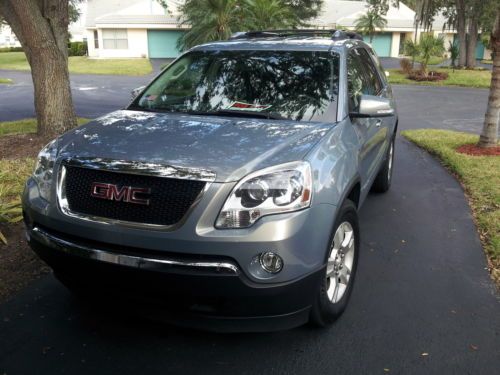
(227, 192)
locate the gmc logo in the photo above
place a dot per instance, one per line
(127, 194)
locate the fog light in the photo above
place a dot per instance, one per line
(271, 262)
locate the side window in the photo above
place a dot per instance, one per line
(380, 69)
(370, 71)
(356, 80)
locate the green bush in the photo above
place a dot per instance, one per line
(406, 66)
(77, 48)
(11, 49)
(454, 52)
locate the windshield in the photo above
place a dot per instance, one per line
(297, 85)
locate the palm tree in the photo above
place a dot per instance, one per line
(489, 135)
(268, 14)
(209, 20)
(411, 49)
(429, 46)
(369, 22)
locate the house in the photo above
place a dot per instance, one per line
(76, 30)
(132, 28)
(7, 37)
(440, 29)
(143, 28)
(389, 42)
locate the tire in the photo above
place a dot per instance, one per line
(383, 180)
(332, 299)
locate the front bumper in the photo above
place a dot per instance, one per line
(197, 292)
(299, 238)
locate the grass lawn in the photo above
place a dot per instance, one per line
(487, 62)
(13, 175)
(434, 60)
(84, 65)
(464, 78)
(24, 126)
(480, 176)
(5, 81)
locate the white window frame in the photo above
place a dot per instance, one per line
(114, 39)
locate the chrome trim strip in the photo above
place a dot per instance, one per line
(152, 264)
(126, 167)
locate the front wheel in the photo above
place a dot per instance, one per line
(336, 285)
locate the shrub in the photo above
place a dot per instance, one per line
(420, 76)
(406, 66)
(11, 49)
(411, 49)
(453, 50)
(77, 48)
(429, 46)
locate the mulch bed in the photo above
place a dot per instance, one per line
(473, 150)
(18, 263)
(20, 146)
(431, 76)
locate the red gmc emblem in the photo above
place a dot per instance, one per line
(127, 194)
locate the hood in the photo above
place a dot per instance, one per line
(230, 147)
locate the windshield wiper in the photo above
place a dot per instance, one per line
(238, 113)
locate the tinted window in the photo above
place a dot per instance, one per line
(370, 71)
(298, 85)
(362, 77)
(356, 81)
(378, 66)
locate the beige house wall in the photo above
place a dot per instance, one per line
(137, 45)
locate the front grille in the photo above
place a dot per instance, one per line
(169, 200)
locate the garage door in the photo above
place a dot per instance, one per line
(479, 47)
(381, 43)
(163, 43)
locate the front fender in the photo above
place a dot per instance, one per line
(335, 164)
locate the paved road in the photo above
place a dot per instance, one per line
(93, 95)
(422, 288)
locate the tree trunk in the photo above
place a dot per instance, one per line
(472, 43)
(42, 28)
(489, 135)
(461, 32)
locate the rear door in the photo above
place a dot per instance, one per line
(362, 78)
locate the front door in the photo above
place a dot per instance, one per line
(362, 79)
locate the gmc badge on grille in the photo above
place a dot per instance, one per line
(113, 192)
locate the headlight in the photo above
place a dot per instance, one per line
(283, 188)
(44, 169)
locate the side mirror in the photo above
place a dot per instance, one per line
(135, 92)
(374, 106)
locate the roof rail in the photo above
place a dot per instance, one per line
(331, 33)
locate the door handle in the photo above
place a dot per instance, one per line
(378, 123)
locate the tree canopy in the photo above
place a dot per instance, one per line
(370, 22)
(211, 20)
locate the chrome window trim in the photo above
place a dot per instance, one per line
(130, 167)
(153, 264)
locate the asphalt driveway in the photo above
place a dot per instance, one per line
(423, 302)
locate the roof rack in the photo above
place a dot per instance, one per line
(331, 33)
